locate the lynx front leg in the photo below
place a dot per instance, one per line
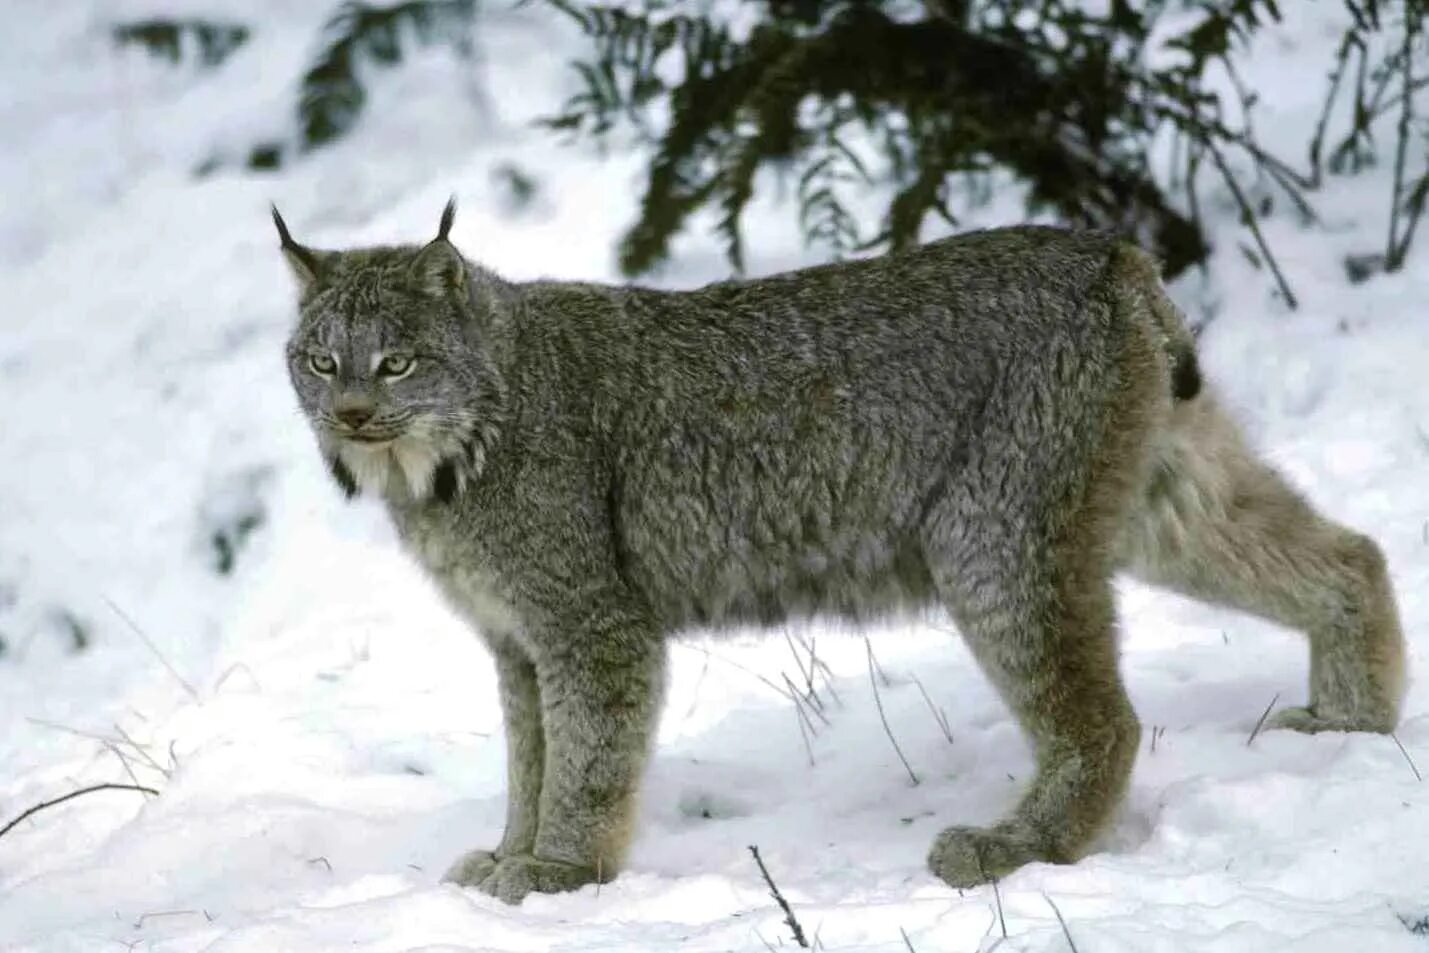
(525, 760)
(601, 684)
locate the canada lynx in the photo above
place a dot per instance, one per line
(993, 423)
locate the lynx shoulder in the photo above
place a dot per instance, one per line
(994, 425)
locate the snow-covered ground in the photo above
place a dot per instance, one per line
(325, 735)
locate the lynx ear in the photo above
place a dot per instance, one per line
(306, 265)
(439, 267)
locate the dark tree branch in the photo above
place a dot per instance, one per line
(70, 796)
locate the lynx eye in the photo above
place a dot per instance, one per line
(323, 365)
(394, 366)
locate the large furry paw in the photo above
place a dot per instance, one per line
(515, 876)
(472, 868)
(968, 856)
(1311, 720)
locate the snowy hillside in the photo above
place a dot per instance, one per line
(325, 735)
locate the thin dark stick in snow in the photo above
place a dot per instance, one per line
(997, 898)
(1065, 932)
(878, 700)
(1261, 722)
(151, 646)
(940, 716)
(1412, 766)
(906, 942)
(996, 894)
(789, 917)
(73, 794)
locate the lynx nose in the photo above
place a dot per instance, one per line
(354, 415)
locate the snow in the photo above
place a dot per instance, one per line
(325, 734)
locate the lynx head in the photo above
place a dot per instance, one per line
(391, 363)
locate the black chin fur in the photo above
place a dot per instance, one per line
(345, 480)
(445, 482)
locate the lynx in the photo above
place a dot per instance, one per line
(993, 424)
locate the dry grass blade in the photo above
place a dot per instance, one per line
(806, 672)
(1404, 751)
(154, 649)
(882, 716)
(801, 702)
(1065, 932)
(939, 715)
(817, 663)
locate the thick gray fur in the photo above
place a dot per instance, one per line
(985, 424)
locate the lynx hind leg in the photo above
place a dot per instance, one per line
(1216, 524)
(1025, 565)
(1050, 650)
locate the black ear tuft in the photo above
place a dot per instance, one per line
(448, 215)
(283, 236)
(302, 260)
(343, 476)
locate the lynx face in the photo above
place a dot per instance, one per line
(382, 365)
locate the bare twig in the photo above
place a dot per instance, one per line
(1395, 251)
(1260, 722)
(1248, 212)
(1402, 750)
(939, 715)
(1349, 43)
(1065, 932)
(789, 917)
(878, 700)
(151, 646)
(73, 794)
